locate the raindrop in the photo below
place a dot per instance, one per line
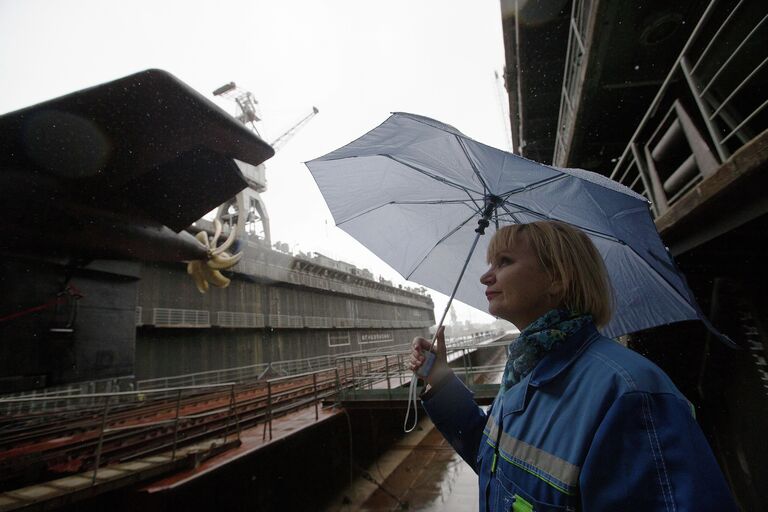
(637, 67)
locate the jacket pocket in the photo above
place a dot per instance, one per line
(510, 497)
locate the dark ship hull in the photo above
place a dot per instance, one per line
(97, 189)
(278, 308)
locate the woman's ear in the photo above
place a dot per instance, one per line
(556, 290)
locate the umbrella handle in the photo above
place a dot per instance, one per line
(430, 356)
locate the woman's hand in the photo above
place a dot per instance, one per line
(440, 368)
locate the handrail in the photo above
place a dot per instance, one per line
(283, 394)
(576, 51)
(107, 403)
(113, 394)
(329, 361)
(637, 168)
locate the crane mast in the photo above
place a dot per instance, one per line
(246, 212)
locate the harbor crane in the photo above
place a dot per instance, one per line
(249, 114)
(290, 132)
(255, 220)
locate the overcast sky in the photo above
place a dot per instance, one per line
(356, 60)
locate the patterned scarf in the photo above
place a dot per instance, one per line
(536, 340)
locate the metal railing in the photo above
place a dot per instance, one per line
(385, 369)
(93, 387)
(573, 77)
(48, 400)
(295, 321)
(239, 319)
(324, 383)
(238, 374)
(172, 317)
(110, 408)
(289, 275)
(287, 367)
(291, 367)
(181, 318)
(123, 426)
(711, 104)
(126, 425)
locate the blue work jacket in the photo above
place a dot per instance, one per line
(594, 427)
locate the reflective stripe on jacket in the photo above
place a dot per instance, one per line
(594, 427)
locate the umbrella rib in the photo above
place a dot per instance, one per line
(598, 234)
(421, 171)
(433, 176)
(504, 206)
(454, 230)
(535, 185)
(369, 210)
(669, 267)
(433, 201)
(477, 206)
(486, 190)
(546, 217)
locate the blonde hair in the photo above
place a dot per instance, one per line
(568, 256)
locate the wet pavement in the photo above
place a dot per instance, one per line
(432, 477)
(421, 473)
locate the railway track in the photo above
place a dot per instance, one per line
(121, 427)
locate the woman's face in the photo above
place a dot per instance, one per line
(517, 287)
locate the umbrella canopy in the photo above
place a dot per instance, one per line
(413, 189)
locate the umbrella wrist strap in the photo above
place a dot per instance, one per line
(412, 392)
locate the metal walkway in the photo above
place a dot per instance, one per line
(377, 387)
(398, 398)
(83, 445)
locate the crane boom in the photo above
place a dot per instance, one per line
(246, 212)
(285, 137)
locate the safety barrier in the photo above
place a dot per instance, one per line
(274, 272)
(573, 75)
(181, 318)
(286, 367)
(171, 317)
(239, 319)
(47, 400)
(123, 425)
(110, 409)
(390, 370)
(710, 105)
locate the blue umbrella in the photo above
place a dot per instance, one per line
(418, 193)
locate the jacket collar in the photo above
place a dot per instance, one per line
(559, 359)
(516, 397)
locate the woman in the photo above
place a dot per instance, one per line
(580, 422)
